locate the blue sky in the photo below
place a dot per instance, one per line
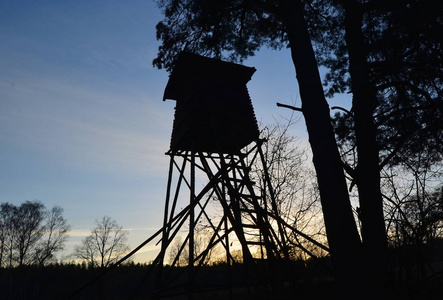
(82, 121)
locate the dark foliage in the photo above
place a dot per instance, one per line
(230, 30)
(405, 57)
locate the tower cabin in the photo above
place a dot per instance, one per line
(213, 113)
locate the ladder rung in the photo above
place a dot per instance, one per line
(247, 210)
(249, 226)
(241, 180)
(255, 243)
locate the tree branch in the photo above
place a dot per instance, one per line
(289, 106)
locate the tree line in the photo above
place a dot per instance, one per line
(31, 234)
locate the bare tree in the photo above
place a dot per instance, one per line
(294, 187)
(28, 229)
(178, 253)
(7, 211)
(106, 244)
(55, 236)
(30, 234)
(413, 203)
(179, 250)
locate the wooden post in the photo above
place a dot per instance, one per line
(191, 227)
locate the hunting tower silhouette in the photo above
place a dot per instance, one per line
(214, 150)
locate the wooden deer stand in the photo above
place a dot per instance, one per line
(214, 154)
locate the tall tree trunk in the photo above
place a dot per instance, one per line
(367, 171)
(341, 229)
